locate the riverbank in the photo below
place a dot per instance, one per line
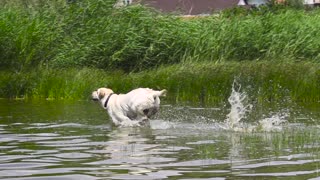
(59, 50)
(197, 83)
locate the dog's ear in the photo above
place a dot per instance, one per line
(101, 94)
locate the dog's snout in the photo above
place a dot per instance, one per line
(95, 96)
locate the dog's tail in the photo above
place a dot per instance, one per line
(160, 93)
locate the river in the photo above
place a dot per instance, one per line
(42, 139)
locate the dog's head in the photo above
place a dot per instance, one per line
(100, 93)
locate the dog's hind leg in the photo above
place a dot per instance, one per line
(151, 111)
(141, 116)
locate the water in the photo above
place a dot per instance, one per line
(76, 140)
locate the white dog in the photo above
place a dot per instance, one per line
(133, 108)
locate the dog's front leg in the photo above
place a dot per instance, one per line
(123, 120)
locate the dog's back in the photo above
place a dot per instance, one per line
(145, 101)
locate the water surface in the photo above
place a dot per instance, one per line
(76, 140)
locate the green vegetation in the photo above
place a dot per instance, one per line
(198, 83)
(91, 33)
(55, 49)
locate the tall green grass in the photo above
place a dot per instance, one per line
(198, 83)
(61, 50)
(91, 33)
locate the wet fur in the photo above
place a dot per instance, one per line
(133, 108)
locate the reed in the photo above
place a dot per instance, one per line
(93, 34)
(61, 50)
(200, 84)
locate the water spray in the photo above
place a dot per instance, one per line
(238, 108)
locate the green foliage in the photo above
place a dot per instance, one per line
(43, 44)
(199, 83)
(92, 33)
(52, 84)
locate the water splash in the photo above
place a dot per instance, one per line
(238, 109)
(274, 123)
(130, 124)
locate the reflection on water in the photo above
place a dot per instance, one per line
(76, 140)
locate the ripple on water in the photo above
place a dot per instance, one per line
(73, 155)
(24, 165)
(59, 177)
(186, 143)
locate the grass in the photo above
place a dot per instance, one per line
(92, 34)
(198, 83)
(60, 50)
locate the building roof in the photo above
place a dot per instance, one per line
(191, 7)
